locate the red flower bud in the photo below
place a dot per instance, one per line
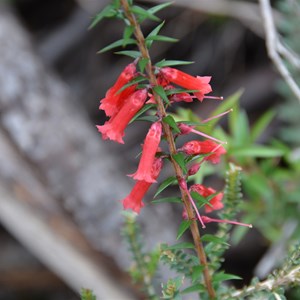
(185, 129)
(194, 169)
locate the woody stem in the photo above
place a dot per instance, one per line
(172, 148)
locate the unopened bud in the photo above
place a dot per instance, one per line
(194, 169)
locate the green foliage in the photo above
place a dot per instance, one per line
(178, 260)
(87, 294)
(179, 246)
(137, 79)
(179, 158)
(120, 43)
(143, 62)
(183, 227)
(109, 11)
(114, 10)
(159, 7)
(276, 283)
(270, 174)
(232, 200)
(159, 90)
(154, 32)
(171, 289)
(167, 182)
(289, 108)
(172, 63)
(130, 53)
(145, 264)
(143, 14)
(143, 110)
(168, 200)
(170, 120)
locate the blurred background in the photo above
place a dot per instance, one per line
(60, 183)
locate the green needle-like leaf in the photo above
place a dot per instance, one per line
(145, 108)
(168, 199)
(157, 8)
(159, 90)
(183, 227)
(170, 121)
(143, 13)
(119, 43)
(165, 184)
(130, 53)
(168, 63)
(179, 158)
(179, 246)
(107, 12)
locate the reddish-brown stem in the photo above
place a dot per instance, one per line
(172, 148)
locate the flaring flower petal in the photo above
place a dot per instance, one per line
(114, 128)
(134, 199)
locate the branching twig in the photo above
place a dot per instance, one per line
(272, 44)
(292, 57)
(276, 252)
(271, 284)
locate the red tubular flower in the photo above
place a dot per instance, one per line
(150, 147)
(114, 128)
(216, 201)
(134, 199)
(113, 100)
(202, 147)
(187, 81)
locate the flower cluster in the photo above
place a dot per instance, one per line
(124, 100)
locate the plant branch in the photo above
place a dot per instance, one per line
(274, 47)
(293, 276)
(172, 148)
